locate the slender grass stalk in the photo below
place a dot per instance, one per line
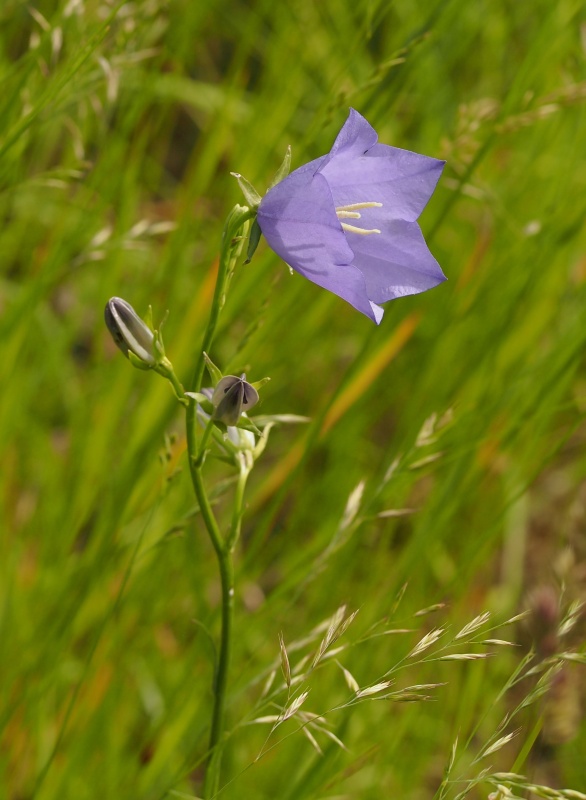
(232, 241)
(112, 611)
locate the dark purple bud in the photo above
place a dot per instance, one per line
(130, 333)
(231, 397)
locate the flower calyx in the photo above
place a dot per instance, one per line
(253, 198)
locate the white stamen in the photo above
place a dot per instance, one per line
(354, 206)
(361, 231)
(350, 211)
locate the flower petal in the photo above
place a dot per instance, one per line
(402, 181)
(356, 137)
(298, 218)
(396, 262)
(299, 222)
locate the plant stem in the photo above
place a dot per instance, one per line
(212, 777)
(204, 440)
(232, 242)
(224, 557)
(165, 368)
(238, 510)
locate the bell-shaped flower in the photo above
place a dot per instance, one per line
(348, 220)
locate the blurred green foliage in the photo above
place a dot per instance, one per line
(119, 125)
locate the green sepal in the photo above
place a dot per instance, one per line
(251, 196)
(159, 347)
(148, 319)
(262, 442)
(283, 170)
(257, 384)
(138, 362)
(215, 373)
(204, 402)
(253, 240)
(221, 426)
(248, 425)
(164, 320)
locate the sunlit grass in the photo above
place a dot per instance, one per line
(442, 469)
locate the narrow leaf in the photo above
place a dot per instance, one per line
(284, 169)
(251, 196)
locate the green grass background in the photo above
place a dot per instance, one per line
(119, 126)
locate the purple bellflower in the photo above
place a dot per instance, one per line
(347, 221)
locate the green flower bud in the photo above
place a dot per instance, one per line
(231, 397)
(133, 336)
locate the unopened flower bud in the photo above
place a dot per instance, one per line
(231, 397)
(130, 333)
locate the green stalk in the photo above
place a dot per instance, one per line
(232, 241)
(216, 746)
(233, 235)
(165, 368)
(238, 511)
(226, 567)
(203, 444)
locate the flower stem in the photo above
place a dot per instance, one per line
(232, 242)
(212, 777)
(165, 368)
(233, 237)
(224, 556)
(204, 440)
(238, 511)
